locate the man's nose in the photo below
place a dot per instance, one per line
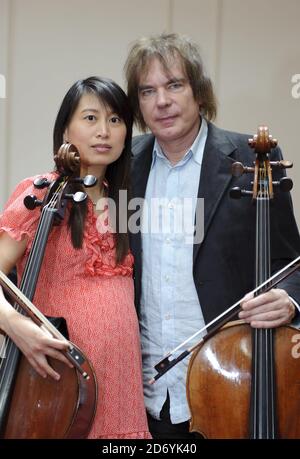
(163, 98)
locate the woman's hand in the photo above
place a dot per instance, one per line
(268, 310)
(33, 341)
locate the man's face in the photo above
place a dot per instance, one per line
(168, 105)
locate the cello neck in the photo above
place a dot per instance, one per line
(263, 406)
(262, 257)
(35, 258)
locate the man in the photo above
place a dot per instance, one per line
(179, 285)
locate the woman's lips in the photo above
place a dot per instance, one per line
(101, 148)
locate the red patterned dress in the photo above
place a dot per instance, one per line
(95, 295)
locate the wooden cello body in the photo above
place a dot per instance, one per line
(44, 408)
(219, 383)
(244, 382)
(32, 407)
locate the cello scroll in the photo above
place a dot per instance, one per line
(262, 143)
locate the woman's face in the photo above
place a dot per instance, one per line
(97, 132)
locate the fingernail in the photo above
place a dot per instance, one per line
(247, 297)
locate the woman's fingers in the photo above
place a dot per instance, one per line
(42, 367)
(58, 355)
(37, 344)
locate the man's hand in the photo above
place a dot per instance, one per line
(268, 310)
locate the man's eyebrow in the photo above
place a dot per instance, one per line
(176, 80)
(170, 81)
(144, 86)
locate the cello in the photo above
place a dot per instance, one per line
(243, 382)
(31, 406)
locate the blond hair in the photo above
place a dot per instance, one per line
(167, 48)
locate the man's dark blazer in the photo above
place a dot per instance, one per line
(224, 263)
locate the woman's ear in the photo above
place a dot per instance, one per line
(65, 136)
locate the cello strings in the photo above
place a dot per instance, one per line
(8, 347)
(265, 376)
(38, 241)
(262, 338)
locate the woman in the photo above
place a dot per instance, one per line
(87, 270)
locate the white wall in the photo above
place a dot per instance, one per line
(4, 46)
(260, 53)
(251, 49)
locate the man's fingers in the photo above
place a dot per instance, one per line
(247, 297)
(264, 324)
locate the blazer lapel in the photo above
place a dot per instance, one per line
(215, 174)
(142, 147)
(141, 163)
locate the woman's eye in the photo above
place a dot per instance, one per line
(90, 117)
(115, 119)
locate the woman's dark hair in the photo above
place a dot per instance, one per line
(117, 173)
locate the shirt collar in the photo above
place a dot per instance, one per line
(196, 149)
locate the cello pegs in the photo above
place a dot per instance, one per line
(41, 182)
(87, 181)
(282, 164)
(285, 184)
(237, 193)
(31, 202)
(273, 142)
(79, 196)
(252, 142)
(238, 169)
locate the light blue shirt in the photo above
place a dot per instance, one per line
(170, 310)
